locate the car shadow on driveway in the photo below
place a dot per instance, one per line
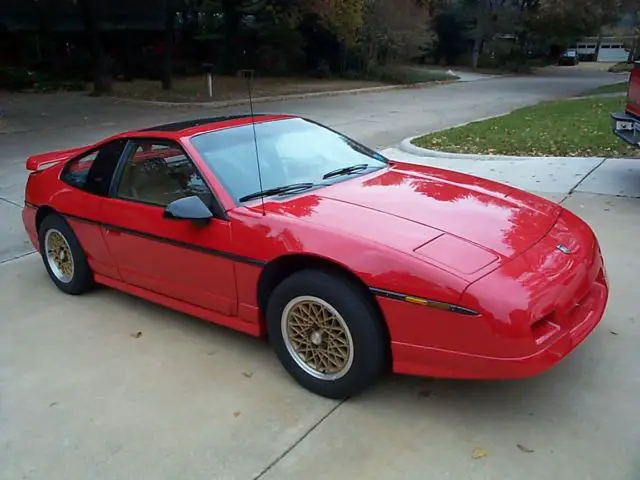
(139, 388)
(553, 390)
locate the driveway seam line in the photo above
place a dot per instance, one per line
(22, 255)
(11, 202)
(298, 441)
(587, 175)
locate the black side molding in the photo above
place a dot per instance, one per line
(426, 302)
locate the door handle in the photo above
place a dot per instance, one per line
(111, 231)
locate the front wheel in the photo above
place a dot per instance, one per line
(326, 334)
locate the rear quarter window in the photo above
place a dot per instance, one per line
(93, 172)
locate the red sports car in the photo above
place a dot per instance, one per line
(349, 262)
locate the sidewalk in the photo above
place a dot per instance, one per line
(556, 176)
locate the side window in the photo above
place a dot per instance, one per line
(75, 173)
(94, 171)
(159, 173)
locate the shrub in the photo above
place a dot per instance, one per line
(400, 75)
(621, 67)
(15, 78)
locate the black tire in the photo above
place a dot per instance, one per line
(369, 337)
(82, 276)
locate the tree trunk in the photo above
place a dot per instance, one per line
(482, 17)
(102, 79)
(167, 63)
(129, 55)
(232, 17)
(475, 53)
(48, 19)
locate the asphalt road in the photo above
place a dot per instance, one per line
(106, 386)
(42, 123)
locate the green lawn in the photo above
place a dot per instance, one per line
(614, 88)
(559, 128)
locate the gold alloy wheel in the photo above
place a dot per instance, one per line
(317, 337)
(59, 255)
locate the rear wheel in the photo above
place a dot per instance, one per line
(63, 257)
(326, 334)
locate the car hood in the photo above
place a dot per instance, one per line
(464, 223)
(499, 218)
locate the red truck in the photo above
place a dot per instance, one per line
(626, 125)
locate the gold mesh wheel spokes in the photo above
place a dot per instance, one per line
(59, 256)
(317, 337)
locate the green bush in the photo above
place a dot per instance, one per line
(15, 78)
(323, 70)
(538, 62)
(49, 85)
(517, 67)
(621, 67)
(512, 64)
(20, 79)
(399, 75)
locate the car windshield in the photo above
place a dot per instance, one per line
(291, 151)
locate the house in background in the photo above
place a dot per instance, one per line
(616, 43)
(606, 49)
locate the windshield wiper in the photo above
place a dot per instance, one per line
(275, 191)
(345, 170)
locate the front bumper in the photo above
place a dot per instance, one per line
(627, 127)
(534, 311)
(426, 361)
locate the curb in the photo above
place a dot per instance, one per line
(407, 147)
(600, 95)
(293, 96)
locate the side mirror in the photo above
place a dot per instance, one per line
(188, 208)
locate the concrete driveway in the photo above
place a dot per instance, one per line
(106, 386)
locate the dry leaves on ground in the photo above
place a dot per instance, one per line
(524, 449)
(478, 453)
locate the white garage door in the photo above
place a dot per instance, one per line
(612, 53)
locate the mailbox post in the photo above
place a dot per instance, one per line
(208, 69)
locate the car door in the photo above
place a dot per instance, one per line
(180, 259)
(89, 177)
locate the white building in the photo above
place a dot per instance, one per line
(604, 49)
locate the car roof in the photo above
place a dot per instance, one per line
(187, 128)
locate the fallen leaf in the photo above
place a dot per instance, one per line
(524, 449)
(248, 374)
(236, 414)
(53, 404)
(478, 453)
(136, 334)
(613, 332)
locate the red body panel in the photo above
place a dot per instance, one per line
(416, 230)
(189, 275)
(633, 92)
